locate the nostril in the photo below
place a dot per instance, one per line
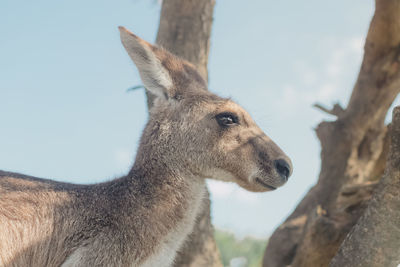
(283, 168)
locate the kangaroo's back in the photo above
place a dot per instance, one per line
(29, 217)
(43, 222)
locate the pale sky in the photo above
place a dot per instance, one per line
(65, 113)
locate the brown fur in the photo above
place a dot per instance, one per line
(143, 217)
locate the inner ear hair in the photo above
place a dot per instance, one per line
(163, 74)
(154, 75)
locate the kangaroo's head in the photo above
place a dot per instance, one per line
(195, 131)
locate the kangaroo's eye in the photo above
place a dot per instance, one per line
(227, 119)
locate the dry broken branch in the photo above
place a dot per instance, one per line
(337, 109)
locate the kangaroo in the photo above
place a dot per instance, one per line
(142, 219)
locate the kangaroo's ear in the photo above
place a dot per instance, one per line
(162, 73)
(154, 75)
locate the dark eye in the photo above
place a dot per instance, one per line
(226, 119)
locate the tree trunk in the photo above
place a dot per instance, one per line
(375, 240)
(353, 147)
(185, 30)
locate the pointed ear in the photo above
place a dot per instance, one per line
(154, 75)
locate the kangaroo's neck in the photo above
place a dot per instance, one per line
(160, 205)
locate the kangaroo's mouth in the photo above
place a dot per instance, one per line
(258, 180)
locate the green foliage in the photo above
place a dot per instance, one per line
(231, 247)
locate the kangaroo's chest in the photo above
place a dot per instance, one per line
(170, 244)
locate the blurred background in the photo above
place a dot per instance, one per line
(65, 112)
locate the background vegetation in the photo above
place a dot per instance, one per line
(232, 247)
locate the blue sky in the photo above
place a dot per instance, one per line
(65, 113)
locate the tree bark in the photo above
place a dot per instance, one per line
(185, 30)
(375, 240)
(351, 157)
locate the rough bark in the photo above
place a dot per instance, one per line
(375, 240)
(185, 30)
(351, 157)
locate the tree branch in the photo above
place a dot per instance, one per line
(337, 109)
(351, 145)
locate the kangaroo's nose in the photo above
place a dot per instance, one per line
(283, 168)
